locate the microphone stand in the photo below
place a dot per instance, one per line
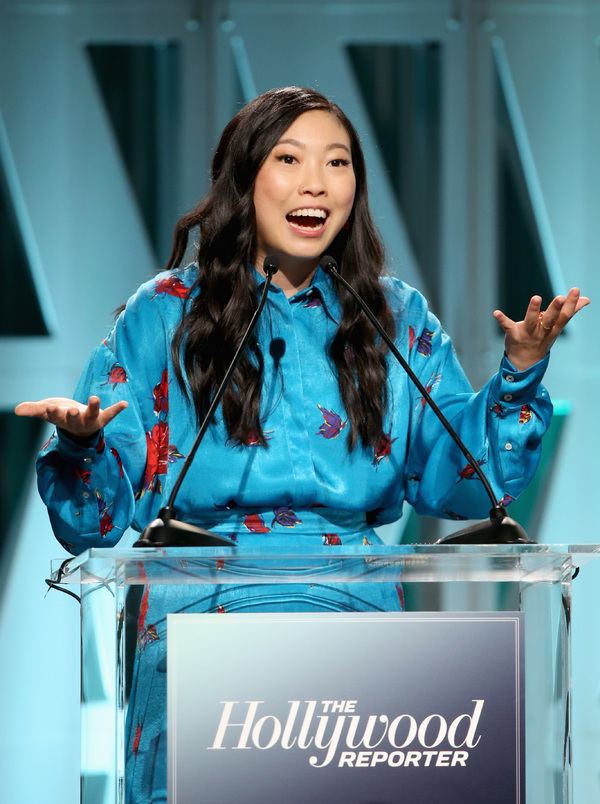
(167, 530)
(500, 528)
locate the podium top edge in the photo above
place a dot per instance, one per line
(65, 571)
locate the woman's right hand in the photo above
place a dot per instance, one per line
(75, 418)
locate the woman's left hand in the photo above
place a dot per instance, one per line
(527, 342)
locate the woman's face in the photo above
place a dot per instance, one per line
(304, 192)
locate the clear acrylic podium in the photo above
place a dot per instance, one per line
(532, 579)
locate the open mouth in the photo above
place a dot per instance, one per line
(308, 219)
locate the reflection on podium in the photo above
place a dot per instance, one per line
(468, 688)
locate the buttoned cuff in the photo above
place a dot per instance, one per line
(77, 450)
(517, 388)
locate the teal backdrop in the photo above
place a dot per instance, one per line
(480, 122)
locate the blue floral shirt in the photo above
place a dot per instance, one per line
(306, 482)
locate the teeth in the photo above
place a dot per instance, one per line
(309, 212)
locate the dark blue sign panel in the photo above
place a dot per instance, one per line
(355, 708)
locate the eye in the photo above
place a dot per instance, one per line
(286, 159)
(339, 162)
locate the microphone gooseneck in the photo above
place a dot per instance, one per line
(167, 530)
(501, 529)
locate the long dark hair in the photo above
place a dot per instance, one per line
(217, 315)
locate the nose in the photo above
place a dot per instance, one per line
(313, 181)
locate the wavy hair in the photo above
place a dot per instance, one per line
(223, 298)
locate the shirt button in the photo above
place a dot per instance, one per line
(86, 494)
(510, 378)
(507, 397)
(508, 446)
(87, 460)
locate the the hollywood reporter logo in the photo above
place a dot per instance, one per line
(401, 741)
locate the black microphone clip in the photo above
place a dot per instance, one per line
(498, 529)
(167, 531)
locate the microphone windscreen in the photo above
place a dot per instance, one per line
(271, 264)
(328, 264)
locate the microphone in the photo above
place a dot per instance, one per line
(500, 529)
(167, 530)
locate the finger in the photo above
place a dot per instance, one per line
(551, 316)
(567, 310)
(30, 409)
(113, 410)
(532, 314)
(573, 303)
(505, 322)
(91, 413)
(47, 409)
(73, 415)
(39, 408)
(581, 303)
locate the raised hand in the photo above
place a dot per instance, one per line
(74, 417)
(528, 341)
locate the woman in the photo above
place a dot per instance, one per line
(320, 435)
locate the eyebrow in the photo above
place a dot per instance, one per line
(332, 146)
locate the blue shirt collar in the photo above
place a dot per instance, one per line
(321, 282)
